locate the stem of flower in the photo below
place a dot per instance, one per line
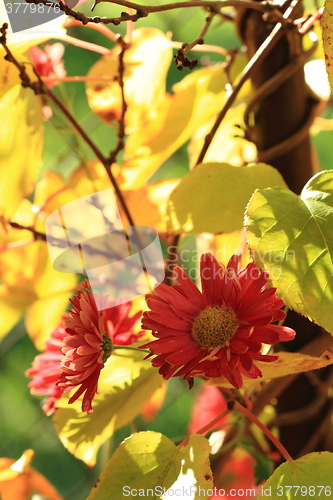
(130, 348)
(264, 429)
(207, 428)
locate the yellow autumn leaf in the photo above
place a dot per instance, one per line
(21, 147)
(149, 203)
(124, 387)
(52, 192)
(226, 245)
(146, 61)
(53, 290)
(90, 178)
(35, 287)
(151, 408)
(13, 303)
(197, 98)
(9, 75)
(228, 144)
(288, 363)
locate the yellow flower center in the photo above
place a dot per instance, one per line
(214, 326)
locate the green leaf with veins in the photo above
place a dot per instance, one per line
(291, 237)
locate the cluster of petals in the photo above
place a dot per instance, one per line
(79, 348)
(48, 62)
(45, 369)
(218, 332)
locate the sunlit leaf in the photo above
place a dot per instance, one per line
(292, 238)
(149, 460)
(125, 385)
(149, 203)
(308, 477)
(151, 408)
(53, 290)
(9, 75)
(13, 303)
(316, 78)
(224, 193)
(21, 146)
(35, 287)
(146, 61)
(52, 192)
(89, 178)
(228, 144)
(228, 244)
(288, 363)
(198, 97)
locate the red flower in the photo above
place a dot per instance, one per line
(219, 332)
(45, 369)
(48, 63)
(78, 350)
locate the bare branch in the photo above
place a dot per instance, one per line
(181, 59)
(145, 10)
(121, 124)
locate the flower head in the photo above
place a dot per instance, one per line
(79, 349)
(219, 332)
(45, 369)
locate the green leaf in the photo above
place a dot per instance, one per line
(291, 237)
(125, 385)
(213, 196)
(264, 465)
(307, 478)
(148, 464)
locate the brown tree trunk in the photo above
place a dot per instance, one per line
(276, 117)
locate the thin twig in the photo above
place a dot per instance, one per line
(121, 123)
(180, 58)
(38, 236)
(145, 10)
(148, 9)
(252, 65)
(264, 429)
(203, 48)
(97, 27)
(87, 45)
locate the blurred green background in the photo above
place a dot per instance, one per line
(22, 423)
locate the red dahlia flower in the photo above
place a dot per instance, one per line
(45, 369)
(219, 332)
(78, 350)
